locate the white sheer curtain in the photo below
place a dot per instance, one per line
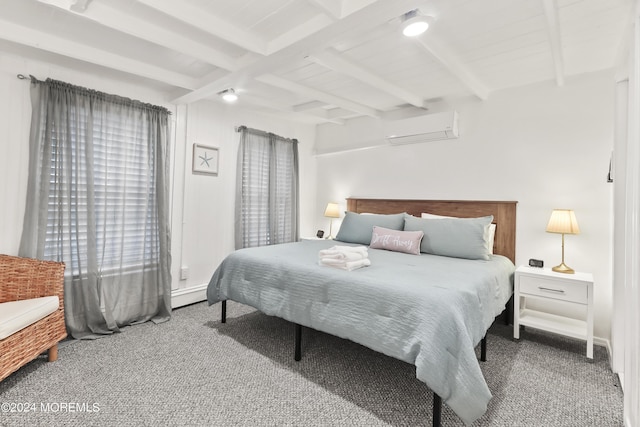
(266, 190)
(97, 199)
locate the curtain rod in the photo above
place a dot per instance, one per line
(262, 132)
(31, 77)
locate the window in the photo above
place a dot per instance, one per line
(267, 203)
(97, 199)
(114, 202)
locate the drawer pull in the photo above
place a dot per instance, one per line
(558, 291)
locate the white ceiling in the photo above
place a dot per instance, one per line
(322, 60)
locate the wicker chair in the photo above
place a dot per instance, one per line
(25, 278)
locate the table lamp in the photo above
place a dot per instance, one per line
(332, 211)
(563, 221)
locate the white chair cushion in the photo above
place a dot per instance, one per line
(16, 315)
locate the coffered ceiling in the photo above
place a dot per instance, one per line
(322, 61)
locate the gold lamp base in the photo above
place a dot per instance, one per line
(563, 268)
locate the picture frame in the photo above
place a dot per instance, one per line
(205, 159)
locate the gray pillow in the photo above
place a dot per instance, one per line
(452, 237)
(358, 228)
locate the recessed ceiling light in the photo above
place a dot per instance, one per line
(414, 23)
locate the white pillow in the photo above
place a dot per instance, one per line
(489, 233)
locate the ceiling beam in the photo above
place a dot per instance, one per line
(298, 33)
(209, 23)
(332, 60)
(77, 50)
(342, 113)
(316, 94)
(553, 27)
(453, 64)
(333, 8)
(320, 117)
(338, 9)
(109, 15)
(313, 105)
(358, 22)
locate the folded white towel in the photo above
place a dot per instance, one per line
(331, 261)
(340, 255)
(343, 252)
(345, 265)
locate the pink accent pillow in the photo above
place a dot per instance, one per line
(397, 241)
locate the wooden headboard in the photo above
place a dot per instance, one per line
(504, 215)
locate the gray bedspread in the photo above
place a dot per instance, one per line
(426, 310)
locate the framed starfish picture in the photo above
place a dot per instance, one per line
(205, 159)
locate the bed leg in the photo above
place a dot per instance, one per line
(298, 337)
(483, 349)
(224, 312)
(437, 410)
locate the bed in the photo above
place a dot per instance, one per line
(428, 310)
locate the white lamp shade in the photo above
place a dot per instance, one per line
(563, 221)
(332, 210)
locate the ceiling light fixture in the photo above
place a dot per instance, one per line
(229, 95)
(414, 23)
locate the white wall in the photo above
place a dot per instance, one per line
(202, 206)
(541, 145)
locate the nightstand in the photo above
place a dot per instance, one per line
(545, 284)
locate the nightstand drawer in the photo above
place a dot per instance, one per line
(556, 289)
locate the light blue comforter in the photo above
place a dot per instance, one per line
(427, 310)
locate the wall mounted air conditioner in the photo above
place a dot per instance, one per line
(430, 127)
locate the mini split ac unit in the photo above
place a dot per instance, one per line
(430, 127)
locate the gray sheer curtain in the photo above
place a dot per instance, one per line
(266, 189)
(98, 199)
